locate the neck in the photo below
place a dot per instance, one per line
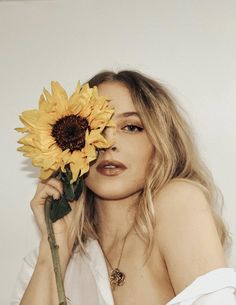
(115, 218)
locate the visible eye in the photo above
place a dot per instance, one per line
(133, 128)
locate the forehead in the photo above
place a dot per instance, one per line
(119, 96)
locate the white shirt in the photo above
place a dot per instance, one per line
(87, 283)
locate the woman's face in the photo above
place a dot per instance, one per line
(131, 147)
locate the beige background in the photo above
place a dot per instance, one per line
(189, 45)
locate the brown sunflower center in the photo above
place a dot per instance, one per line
(69, 132)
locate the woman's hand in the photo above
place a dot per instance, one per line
(53, 187)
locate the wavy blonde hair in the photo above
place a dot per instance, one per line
(176, 157)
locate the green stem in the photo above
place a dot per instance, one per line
(55, 254)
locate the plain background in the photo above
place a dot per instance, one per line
(189, 45)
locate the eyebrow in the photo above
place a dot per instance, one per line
(127, 114)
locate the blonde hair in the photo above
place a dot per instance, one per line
(176, 157)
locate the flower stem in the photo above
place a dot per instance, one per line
(55, 254)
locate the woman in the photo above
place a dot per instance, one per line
(146, 228)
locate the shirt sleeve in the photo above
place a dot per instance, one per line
(216, 287)
(24, 277)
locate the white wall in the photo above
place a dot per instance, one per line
(190, 45)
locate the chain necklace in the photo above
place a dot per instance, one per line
(117, 277)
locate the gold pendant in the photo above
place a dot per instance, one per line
(117, 278)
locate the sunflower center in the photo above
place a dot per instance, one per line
(69, 132)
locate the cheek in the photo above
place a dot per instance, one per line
(90, 179)
(143, 164)
(141, 155)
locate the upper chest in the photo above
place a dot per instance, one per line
(145, 282)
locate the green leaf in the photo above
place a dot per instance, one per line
(59, 208)
(68, 191)
(65, 176)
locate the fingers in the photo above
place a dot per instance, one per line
(50, 190)
(50, 187)
(56, 184)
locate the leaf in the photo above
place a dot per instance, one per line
(59, 208)
(68, 191)
(67, 175)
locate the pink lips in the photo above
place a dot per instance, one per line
(110, 167)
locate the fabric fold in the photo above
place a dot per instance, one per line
(98, 268)
(209, 284)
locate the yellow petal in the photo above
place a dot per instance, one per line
(60, 96)
(111, 124)
(65, 159)
(75, 172)
(84, 169)
(95, 137)
(42, 103)
(28, 149)
(95, 91)
(86, 88)
(78, 168)
(58, 90)
(86, 92)
(76, 163)
(66, 156)
(37, 162)
(78, 87)
(85, 112)
(97, 124)
(24, 129)
(75, 103)
(76, 156)
(44, 140)
(49, 97)
(48, 163)
(30, 117)
(28, 140)
(45, 174)
(89, 152)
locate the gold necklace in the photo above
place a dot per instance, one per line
(117, 277)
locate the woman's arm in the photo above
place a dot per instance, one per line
(186, 233)
(41, 289)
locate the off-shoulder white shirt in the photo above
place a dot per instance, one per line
(86, 282)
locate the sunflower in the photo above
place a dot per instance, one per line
(66, 131)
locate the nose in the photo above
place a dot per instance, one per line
(110, 135)
(113, 148)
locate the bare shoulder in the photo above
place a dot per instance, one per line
(185, 192)
(186, 233)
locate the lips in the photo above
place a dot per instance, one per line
(110, 167)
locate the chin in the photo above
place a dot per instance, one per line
(109, 194)
(114, 192)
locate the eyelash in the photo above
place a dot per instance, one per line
(138, 128)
